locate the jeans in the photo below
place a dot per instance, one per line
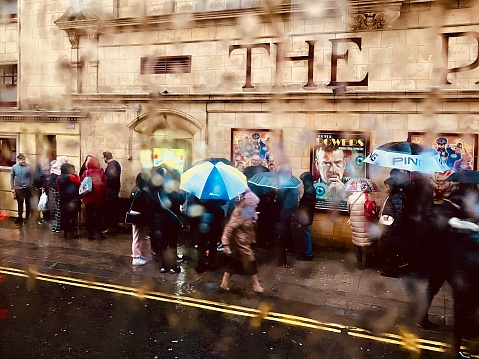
(306, 233)
(24, 195)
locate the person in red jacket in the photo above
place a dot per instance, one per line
(94, 200)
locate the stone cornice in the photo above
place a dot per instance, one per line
(84, 23)
(249, 97)
(42, 116)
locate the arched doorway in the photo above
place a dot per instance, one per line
(168, 134)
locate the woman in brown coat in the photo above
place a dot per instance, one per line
(237, 237)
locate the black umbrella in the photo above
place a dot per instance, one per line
(464, 177)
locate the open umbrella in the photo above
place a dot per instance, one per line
(276, 180)
(360, 184)
(471, 176)
(407, 156)
(209, 180)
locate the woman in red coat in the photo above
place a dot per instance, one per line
(94, 200)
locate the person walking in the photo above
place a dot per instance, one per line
(53, 198)
(21, 180)
(238, 235)
(140, 202)
(305, 215)
(68, 184)
(113, 184)
(94, 200)
(365, 245)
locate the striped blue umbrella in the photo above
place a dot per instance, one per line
(209, 180)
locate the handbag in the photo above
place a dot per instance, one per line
(385, 219)
(86, 185)
(43, 202)
(133, 217)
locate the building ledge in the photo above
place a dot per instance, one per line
(42, 116)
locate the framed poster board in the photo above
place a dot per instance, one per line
(458, 150)
(174, 157)
(248, 142)
(335, 158)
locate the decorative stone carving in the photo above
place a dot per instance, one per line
(373, 14)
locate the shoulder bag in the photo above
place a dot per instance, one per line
(86, 185)
(133, 217)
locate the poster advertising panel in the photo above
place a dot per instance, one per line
(174, 157)
(248, 142)
(335, 158)
(458, 150)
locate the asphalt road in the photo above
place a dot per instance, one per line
(44, 316)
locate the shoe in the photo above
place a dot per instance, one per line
(19, 220)
(40, 221)
(143, 257)
(26, 220)
(175, 270)
(180, 258)
(162, 270)
(304, 257)
(91, 238)
(426, 325)
(153, 253)
(220, 248)
(461, 355)
(108, 231)
(138, 261)
(102, 236)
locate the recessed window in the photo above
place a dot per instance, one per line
(8, 150)
(8, 85)
(166, 65)
(9, 8)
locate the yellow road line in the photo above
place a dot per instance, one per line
(264, 314)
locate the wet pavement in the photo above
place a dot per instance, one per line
(329, 284)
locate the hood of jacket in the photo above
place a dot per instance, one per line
(93, 163)
(306, 177)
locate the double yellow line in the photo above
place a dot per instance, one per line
(405, 339)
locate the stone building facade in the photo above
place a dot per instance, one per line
(112, 75)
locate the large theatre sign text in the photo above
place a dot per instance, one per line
(335, 56)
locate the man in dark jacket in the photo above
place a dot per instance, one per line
(68, 184)
(305, 215)
(113, 174)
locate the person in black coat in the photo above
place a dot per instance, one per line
(68, 184)
(394, 235)
(304, 217)
(165, 225)
(140, 202)
(209, 229)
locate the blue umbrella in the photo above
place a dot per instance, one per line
(209, 180)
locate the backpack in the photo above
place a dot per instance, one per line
(371, 209)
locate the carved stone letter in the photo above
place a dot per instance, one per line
(445, 51)
(309, 57)
(334, 63)
(248, 48)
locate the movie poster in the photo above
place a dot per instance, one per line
(174, 157)
(246, 143)
(336, 157)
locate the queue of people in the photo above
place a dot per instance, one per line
(60, 181)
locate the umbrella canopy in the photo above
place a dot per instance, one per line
(464, 177)
(407, 156)
(276, 180)
(356, 184)
(214, 160)
(209, 180)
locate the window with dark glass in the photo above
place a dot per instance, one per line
(8, 150)
(166, 65)
(9, 8)
(8, 85)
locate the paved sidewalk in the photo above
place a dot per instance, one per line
(330, 281)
